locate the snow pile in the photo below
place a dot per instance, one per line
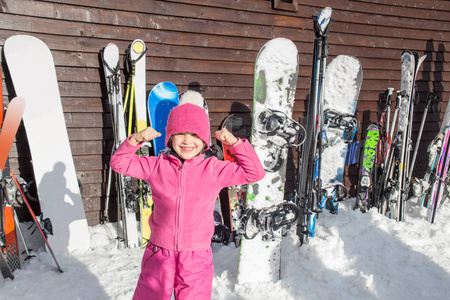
(353, 256)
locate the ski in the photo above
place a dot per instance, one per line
(126, 197)
(9, 250)
(410, 66)
(439, 184)
(232, 199)
(398, 160)
(367, 167)
(386, 187)
(384, 142)
(276, 72)
(420, 186)
(309, 155)
(136, 62)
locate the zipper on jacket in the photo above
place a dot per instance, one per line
(178, 213)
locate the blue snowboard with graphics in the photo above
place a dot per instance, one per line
(162, 99)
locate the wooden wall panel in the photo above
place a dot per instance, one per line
(212, 45)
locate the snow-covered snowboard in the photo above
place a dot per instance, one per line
(343, 78)
(33, 74)
(276, 72)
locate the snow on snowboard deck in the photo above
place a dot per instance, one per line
(343, 78)
(276, 72)
(33, 73)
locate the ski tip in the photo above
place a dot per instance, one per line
(138, 46)
(324, 18)
(111, 54)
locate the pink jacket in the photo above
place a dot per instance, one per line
(184, 195)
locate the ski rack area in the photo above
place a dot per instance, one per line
(256, 216)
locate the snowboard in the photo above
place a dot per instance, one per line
(9, 250)
(275, 81)
(33, 75)
(343, 78)
(162, 99)
(232, 199)
(127, 229)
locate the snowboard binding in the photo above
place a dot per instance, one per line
(277, 123)
(331, 196)
(270, 221)
(348, 123)
(221, 234)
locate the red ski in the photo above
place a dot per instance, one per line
(232, 199)
(9, 257)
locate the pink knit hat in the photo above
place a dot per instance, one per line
(188, 118)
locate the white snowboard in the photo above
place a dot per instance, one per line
(276, 72)
(33, 73)
(343, 79)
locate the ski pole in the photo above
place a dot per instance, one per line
(416, 149)
(388, 104)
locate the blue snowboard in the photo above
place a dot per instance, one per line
(162, 98)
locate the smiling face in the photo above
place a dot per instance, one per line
(187, 145)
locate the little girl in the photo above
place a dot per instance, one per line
(185, 185)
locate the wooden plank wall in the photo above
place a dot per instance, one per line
(212, 45)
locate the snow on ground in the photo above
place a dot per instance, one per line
(353, 256)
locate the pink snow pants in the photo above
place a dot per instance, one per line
(188, 273)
